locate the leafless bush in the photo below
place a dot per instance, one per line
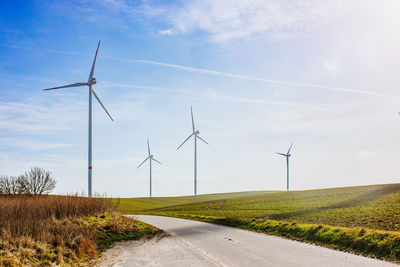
(38, 181)
(12, 185)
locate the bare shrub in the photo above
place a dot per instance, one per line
(13, 185)
(38, 181)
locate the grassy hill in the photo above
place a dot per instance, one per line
(137, 205)
(375, 206)
(362, 219)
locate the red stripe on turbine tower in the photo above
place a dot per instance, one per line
(90, 167)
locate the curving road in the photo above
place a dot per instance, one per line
(193, 243)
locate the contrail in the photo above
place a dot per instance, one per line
(250, 78)
(217, 97)
(46, 50)
(217, 73)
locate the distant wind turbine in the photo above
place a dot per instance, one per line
(195, 133)
(91, 81)
(150, 158)
(287, 155)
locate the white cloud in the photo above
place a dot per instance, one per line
(167, 32)
(365, 154)
(332, 67)
(32, 145)
(35, 115)
(225, 20)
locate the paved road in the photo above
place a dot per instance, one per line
(215, 245)
(162, 250)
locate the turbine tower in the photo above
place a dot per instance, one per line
(91, 81)
(196, 135)
(150, 158)
(287, 155)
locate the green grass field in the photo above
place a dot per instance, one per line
(138, 205)
(363, 219)
(375, 206)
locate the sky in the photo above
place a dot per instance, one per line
(259, 75)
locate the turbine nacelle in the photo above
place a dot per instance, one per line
(92, 81)
(150, 157)
(197, 132)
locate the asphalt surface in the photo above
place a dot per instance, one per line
(162, 250)
(227, 246)
(192, 243)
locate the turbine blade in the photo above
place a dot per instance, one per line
(94, 63)
(148, 146)
(156, 160)
(290, 148)
(281, 154)
(191, 112)
(98, 99)
(185, 141)
(202, 139)
(143, 162)
(66, 86)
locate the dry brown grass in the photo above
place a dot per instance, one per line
(52, 229)
(30, 216)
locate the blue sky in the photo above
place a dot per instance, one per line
(259, 75)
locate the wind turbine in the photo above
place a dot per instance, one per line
(91, 81)
(150, 158)
(287, 155)
(195, 133)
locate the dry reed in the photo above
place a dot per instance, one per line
(34, 229)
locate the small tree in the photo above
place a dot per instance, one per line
(12, 185)
(4, 184)
(39, 181)
(21, 185)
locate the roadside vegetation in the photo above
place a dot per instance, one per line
(37, 229)
(363, 219)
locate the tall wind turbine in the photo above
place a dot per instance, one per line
(91, 81)
(196, 135)
(287, 155)
(150, 158)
